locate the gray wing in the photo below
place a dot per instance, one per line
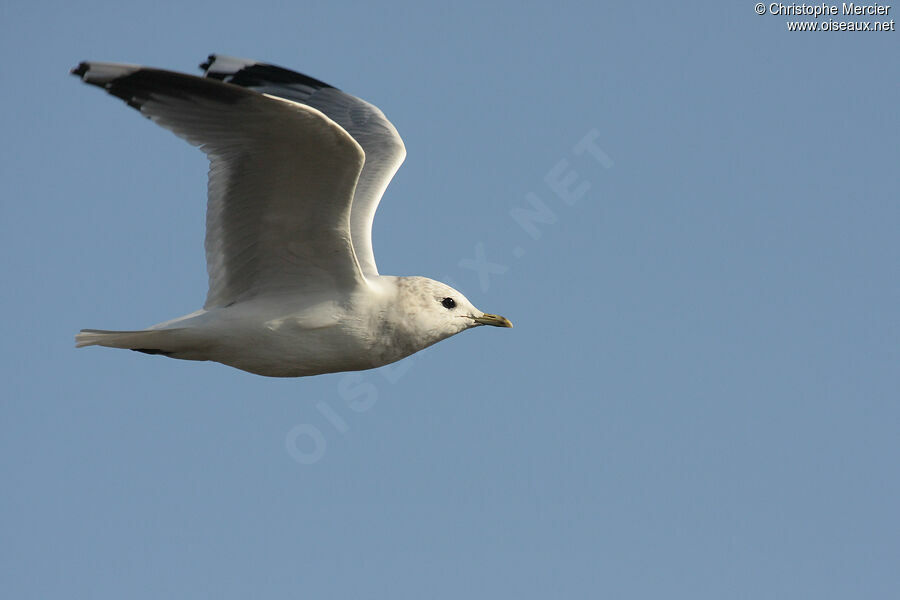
(365, 122)
(281, 180)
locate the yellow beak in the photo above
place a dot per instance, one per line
(495, 320)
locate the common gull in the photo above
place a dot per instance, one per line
(297, 169)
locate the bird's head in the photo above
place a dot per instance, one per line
(436, 311)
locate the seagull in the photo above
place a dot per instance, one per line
(297, 169)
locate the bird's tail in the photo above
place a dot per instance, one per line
(151, 341)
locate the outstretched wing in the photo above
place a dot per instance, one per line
(281, 180)
(365, 122)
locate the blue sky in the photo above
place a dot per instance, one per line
(699, 398)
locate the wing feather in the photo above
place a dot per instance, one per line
(281, 181)
(378, 137)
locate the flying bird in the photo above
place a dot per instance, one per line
(297, 169)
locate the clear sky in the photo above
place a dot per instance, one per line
(690, 214)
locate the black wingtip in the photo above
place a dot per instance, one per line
(152, 351)
(209, 61)
(80, 70)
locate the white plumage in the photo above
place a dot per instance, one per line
(297, 169)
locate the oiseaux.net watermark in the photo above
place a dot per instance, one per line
(846, 16)
(563, 185)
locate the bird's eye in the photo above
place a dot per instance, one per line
(448, 303)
